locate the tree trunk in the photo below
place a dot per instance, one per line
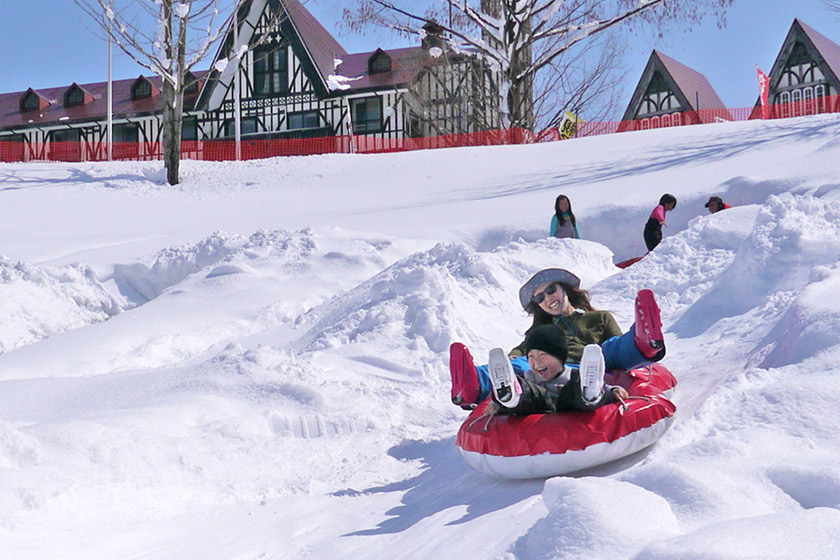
(520, 95)
(173, 94)
(172, 116)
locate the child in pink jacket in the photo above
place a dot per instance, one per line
(653, 227)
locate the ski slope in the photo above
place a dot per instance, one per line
(254, 364)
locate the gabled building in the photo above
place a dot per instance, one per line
(804, 77)
(671, 94)
(295, 81)
(76, 117)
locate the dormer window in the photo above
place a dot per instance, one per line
(379, 62)
(75, 96)
(191, 83)
(30, 102)
(141, 88)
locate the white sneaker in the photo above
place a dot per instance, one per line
(506, 387)
(592, 373)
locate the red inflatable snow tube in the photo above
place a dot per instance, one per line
(542, 445)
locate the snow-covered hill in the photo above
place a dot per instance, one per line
(253, 364)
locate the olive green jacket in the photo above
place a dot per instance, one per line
(582, 328)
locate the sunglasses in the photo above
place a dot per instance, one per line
(538, 298)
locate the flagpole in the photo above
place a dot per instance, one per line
(236, 112)
(109, 131)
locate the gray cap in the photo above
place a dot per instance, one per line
(543, 276)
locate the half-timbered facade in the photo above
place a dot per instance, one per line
(804, 77)
(670, 93)
(293, 81)
(75, 118)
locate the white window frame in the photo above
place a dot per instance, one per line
(784, 104)
(796, 101)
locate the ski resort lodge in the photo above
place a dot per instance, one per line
(298, 82)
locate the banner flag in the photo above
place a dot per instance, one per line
(763, 83)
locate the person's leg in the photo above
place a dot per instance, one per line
(534, 399)
(466, 388)
(520, 366)
(620, 352)
(648, 327)
(652, 235)
(571, 397)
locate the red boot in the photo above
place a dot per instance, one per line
(465, 387)
(648, 327)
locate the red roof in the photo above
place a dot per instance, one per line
(55, 113)
(694, 85)
(829, 50)
(405, 64)
(322, 47)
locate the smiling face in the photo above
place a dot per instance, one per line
(555, 303)
(544, 365)
(563, 204)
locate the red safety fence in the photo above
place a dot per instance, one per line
(225, 150)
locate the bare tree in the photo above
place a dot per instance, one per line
(525, 40)
(583, 81)
(167, 37)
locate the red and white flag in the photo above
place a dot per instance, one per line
(763, 86)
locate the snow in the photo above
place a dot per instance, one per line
(254, 364)
(182, 10)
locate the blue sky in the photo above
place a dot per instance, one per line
(51, 43)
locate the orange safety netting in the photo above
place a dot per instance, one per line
(225, 150)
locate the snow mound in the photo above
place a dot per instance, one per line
(590, 518)
(142, 283)
(813, 534)
(436, 297)
(792, 234)
(36, 302)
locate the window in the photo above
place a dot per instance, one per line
(808, 101)
(379, 62)
(647, 107)
(271, 73)
(819, 94)
(30, 102)
(125, 143)
(191, 84)
(784, 102)
(797, 102)
(658, 102)
(367, 115)
(69, 135)
(189, 128)
(305, 119)
(74, 96)
(141, 90)
(127, 132)
(246, 126)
